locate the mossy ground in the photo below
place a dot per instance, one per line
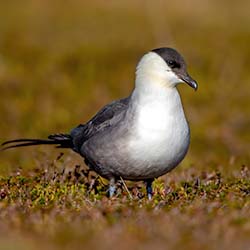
(67, 210)
(62, 61)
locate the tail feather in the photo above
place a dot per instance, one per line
(61, 140)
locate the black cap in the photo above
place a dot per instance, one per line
(176, 62)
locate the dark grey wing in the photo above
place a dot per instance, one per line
(106, 117)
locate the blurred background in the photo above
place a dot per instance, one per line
(61, 61)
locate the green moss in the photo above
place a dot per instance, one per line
(62, 61)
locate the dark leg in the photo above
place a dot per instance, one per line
(149, 188)
(112, 187)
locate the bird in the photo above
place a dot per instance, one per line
(140, 137)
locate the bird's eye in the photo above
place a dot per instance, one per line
(173, 64)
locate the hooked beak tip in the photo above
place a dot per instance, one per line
(191, 82)
(195, 86)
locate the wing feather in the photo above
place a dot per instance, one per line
(106, 117)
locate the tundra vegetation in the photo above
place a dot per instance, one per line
(60, 62)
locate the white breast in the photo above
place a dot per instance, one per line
(161, 134)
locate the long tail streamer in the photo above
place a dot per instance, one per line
(61, 140)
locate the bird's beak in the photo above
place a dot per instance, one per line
(190, 81)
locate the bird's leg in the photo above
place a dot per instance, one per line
(149, 188)
(112, 187)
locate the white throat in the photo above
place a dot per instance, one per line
(157, 108)
(160, 133)
(154, 97)
(153, 71)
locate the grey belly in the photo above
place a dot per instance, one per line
(113, 158)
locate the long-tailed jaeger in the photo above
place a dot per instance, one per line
(140, 137)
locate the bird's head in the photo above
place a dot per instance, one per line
(163, 66)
